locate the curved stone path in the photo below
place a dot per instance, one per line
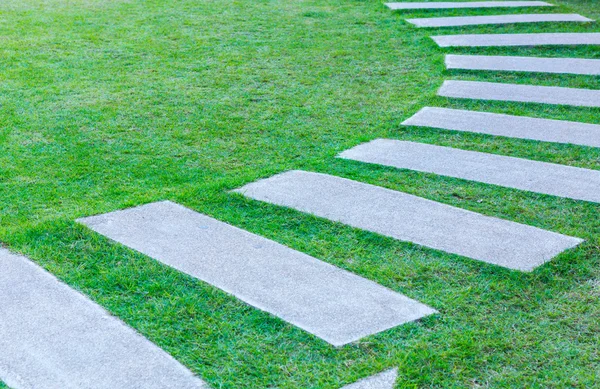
(54, 337)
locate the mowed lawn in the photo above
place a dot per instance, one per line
(107, 104)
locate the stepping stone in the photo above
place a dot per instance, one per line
(499, 19)
(521, 93)
(411, 218)
(542, 39)
(524, 64)
(53, 337)
(466, 4)
(333, 304)
(385, 380)
(522, 127)
(524, 174)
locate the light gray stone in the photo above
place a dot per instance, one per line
(524, 174)
(465, 4)
(540, 39)
(411, 218)
(53, 337)
(329, 302)
(522, 127)
(385, 380)
(524, 64)
(520, 93)
(496, 19)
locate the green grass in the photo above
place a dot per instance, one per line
(110, 104)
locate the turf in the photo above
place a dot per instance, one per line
(110, 104)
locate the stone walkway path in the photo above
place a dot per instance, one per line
(53, 337)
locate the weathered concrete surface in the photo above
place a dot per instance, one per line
(465, 4)
(385, 380)
(522, 127)
(540, 39)
(329, 302)
(411, 218)
(495, 19)
(53, 337)
(524, 174)
(520, 93)
(524, 64)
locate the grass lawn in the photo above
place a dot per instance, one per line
(110, 104)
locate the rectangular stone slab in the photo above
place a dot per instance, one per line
(541, 177)
(496, 19)
(53, 337)
(384, 380)
(465, 4)
(521, 93)
(522, 127)
(524, 64)
(411, 218)
(540, 39)
(326, 301)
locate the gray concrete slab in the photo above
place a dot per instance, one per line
(521, 93)
(522, 127)
(540, 39)
(53, 337)
(524, 64)
(541, 177)
(329, 302)
(456, 21)
(385, 380)
(465, 4)
(411, 218)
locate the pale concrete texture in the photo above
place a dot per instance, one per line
(523, 127)
(524, 64)
(465, 4)
(52, 337)
(520, 93)
(331, 303)
(540, 39)
(524, 174)
(385, 380)
(496, 19)
(411, 218)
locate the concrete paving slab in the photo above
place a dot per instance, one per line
(522, 127)
(411, 218)
(385, 380)
(496, 19)
(524, 64)
(541, 177)
(540, 39)
(326, 301)
(53, 337)
(465, 4)
(520, 93)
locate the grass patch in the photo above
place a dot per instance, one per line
(106, 105)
